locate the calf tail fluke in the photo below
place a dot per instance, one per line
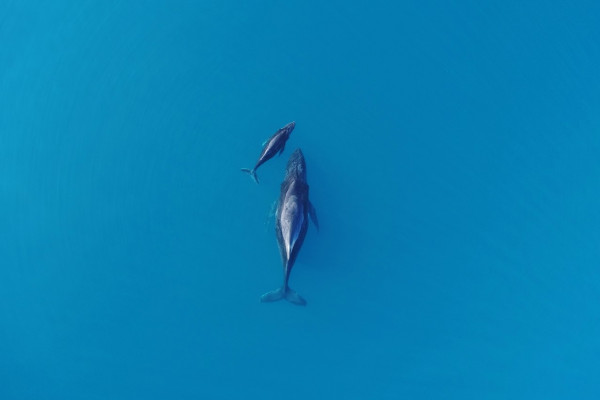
(252, 173)
(283, 293)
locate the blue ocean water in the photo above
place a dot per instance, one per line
(453, 156)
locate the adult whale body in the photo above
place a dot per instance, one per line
(293, 209)
(275, 144)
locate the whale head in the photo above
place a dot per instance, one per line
(296, 166)
(290, 127)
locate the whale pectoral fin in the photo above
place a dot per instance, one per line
(313, 215)
(272, 211)
(274, 295)
(270, 215)
(295, 298)
(282, 149)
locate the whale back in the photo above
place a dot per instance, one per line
(291, 220)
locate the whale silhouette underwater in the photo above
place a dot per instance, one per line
(291, 224)
(273, 145)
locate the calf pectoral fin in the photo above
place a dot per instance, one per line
(282, 149)
(313, 215)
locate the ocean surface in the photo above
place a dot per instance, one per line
(453, 157)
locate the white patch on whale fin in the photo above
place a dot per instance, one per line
(251, 172)
(313, 214)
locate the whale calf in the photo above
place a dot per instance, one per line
(275, 144)
(293, 210)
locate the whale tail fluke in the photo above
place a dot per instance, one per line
(293, 297)
(274, 295)
(252, 173)
(283, 293)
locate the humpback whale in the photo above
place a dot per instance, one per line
(275, 144)
(291, 216)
